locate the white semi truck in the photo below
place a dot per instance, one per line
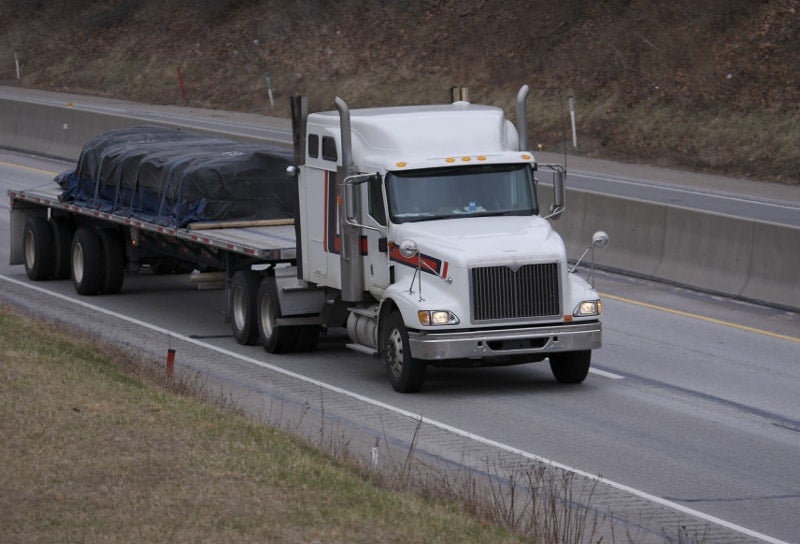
(417, 228)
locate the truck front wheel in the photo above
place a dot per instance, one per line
(275, 339)
(244, 290)
(39, 252)
(571, 366)
(406, 374)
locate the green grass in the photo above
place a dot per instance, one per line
(92, 449)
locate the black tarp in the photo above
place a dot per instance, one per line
(172, 177)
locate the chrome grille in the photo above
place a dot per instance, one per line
(498, 292)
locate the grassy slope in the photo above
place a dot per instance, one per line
(91, 452)
(713, 85)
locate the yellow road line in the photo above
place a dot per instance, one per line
(703, 318)
(28, 168)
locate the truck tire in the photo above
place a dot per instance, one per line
(570, 366)
(113, 261)
(274, 339)
(406, 374)
(38, 244)
(87, 262)
(244, 290)
(62, 242)
(307, 338)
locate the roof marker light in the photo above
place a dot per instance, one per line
(466, 159)
(481, 158)
(449, 159)
(526, 157)
(400, 164)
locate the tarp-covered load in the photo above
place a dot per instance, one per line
(173, 178)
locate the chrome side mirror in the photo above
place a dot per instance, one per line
(599, 241)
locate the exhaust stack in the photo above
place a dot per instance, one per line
(350, 258)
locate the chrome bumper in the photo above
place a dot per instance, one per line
(494, 343)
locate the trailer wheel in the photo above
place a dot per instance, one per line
(62, 242)
(38, 244)
(406, 374)
(113, 261)
(87, 262)
(275, 339)
(570, 366)
(244, 290)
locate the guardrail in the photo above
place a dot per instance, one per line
(735, 257)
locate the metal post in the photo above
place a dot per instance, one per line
(572, 117)
(16, 62)
(269, 89)
(181, 87)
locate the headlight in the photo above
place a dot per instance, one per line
(437, 317)
(587, 308)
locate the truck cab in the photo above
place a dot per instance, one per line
(425, 223)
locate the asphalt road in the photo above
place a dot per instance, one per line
(693, 398)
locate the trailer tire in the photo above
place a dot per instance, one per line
(62, 244)
(113, 261)
(571, 366)
(275, 339)
(406, 374)
(244, 290)
(38, 245)
(87, 261)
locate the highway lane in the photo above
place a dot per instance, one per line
(705, 413)
(695, 198)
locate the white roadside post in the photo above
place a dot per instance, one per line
(572, 118)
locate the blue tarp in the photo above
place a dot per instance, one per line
(172, 177)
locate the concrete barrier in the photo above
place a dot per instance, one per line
(707, 251)
(721, 254)
(726, 255)
(775, 265)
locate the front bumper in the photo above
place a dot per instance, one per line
(501, 342)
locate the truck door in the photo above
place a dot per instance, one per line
(376, 261)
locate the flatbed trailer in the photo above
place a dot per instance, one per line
(272, 242)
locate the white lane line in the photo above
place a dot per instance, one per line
(455, 430)
(606, 374)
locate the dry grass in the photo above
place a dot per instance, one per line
(96, 445)
(92, 452)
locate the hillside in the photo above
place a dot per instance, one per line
(712, 85)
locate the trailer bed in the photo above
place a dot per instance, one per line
(271, 243)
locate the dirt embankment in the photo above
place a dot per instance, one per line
(711, 85)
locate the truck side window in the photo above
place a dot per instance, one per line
(376, 209)
(329, 149)
(313, 146)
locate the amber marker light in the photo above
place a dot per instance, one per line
(400, 164)
(527, 157)
(449, 159)
(481, 158)
(466, 159)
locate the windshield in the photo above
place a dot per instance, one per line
(445, 193)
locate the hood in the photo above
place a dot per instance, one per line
(478, 241)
